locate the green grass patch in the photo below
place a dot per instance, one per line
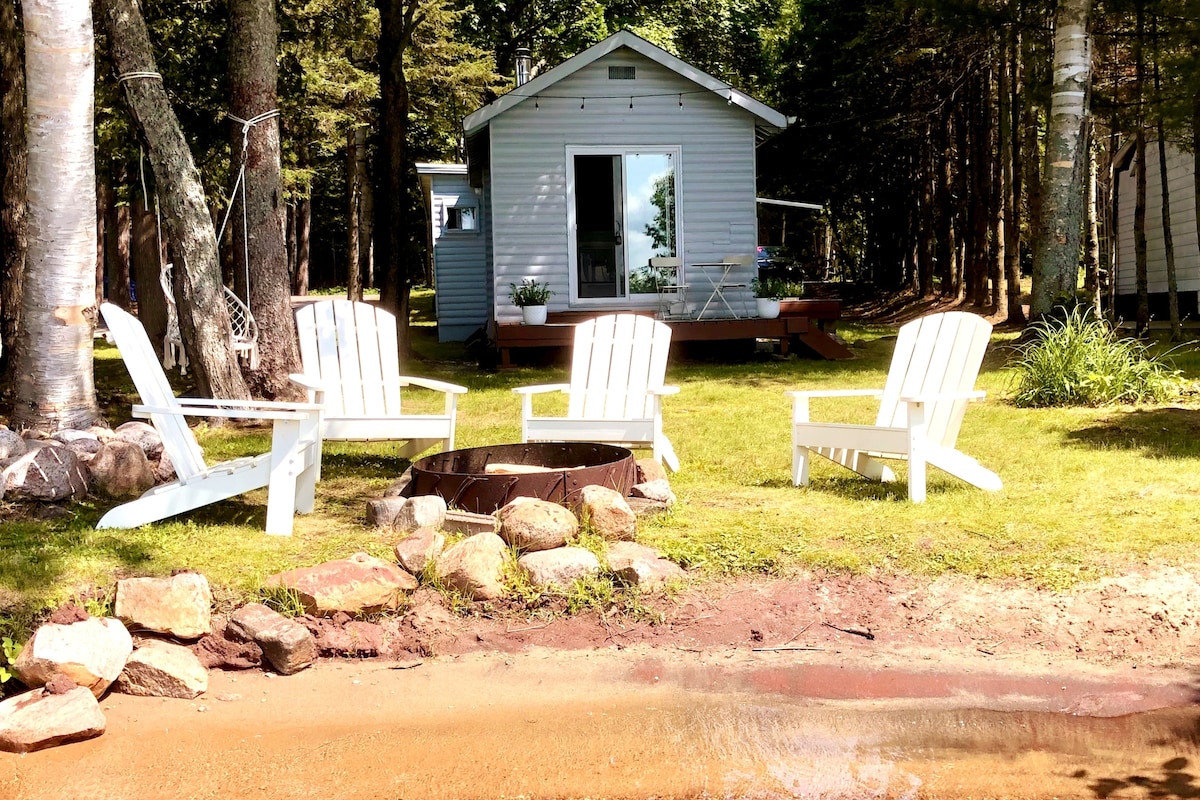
(1089, 491)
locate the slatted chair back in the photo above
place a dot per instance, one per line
(351, 348)
(936, 353)
(616, 358)
(152, 386)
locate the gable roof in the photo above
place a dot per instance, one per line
(768, 120)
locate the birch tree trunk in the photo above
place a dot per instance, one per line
(55, 388)
(199, 294)
(1056, 263)
(253, 36)
(12, 192)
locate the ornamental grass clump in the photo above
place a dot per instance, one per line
(1080, 360)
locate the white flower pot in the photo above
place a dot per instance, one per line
(534, 315)
(767, 307)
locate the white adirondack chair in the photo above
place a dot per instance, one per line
(930, 382)
(618, 366)
(352, 367)
(290, 470)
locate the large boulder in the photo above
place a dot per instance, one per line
(529, 524)
(85, 448)
(180, 605)
(144, 435)
(163, 669)
(91, 653)
(475, 566)
(658, 491)
(121, 469)
(560, 566)
(415, 551)
(650, 470)
(357, 585)
(39, 719)
(286, 644)
(607, 513)
(48, 471)
(381, 512)
(637, 565)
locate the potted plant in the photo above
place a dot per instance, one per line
(767, 294)
(531, 298)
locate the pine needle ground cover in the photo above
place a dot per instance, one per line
(1088, 491)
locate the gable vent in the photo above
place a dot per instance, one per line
(622, 73)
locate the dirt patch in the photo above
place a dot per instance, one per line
(1138, 619)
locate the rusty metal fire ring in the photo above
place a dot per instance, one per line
(459, 476)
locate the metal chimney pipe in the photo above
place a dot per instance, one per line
(524, 65)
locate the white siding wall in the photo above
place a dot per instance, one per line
(459, 259)
(716, 173)
(1183, 224)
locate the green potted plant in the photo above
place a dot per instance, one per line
(767, 294)
(531, 298)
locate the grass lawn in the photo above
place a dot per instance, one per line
(1087, 492)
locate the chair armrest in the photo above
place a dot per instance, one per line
(265, 405)
(663, 390)
(837, 393)
(299, 411)
(927, 398)
(311, 384)
(546, 387)
(429, 383)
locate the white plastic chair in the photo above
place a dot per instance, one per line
(618, 366)
(921, 408)
(289, 470)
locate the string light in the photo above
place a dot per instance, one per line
(582, 102)
(631, 101)
(535, 103)
(681, 101)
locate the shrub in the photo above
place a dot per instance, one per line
(1080, 360)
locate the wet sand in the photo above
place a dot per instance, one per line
(633, 726)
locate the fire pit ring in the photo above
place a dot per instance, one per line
(460, 477)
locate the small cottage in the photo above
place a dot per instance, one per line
(1182, 197)
(579, 176)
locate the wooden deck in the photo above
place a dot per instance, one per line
(807, 322)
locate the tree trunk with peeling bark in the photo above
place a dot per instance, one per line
(199, 294)
(55, 386)
(253, 36)
(12, 192)
(1056, 262)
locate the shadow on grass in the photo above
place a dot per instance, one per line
(1155, 433)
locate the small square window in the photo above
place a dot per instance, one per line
(460, 218)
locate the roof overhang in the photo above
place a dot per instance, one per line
(768, 121)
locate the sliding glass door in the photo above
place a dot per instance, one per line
(623, 211)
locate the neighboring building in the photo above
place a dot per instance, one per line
(581, 175)
(1182, 193)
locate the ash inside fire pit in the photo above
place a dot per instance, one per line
(483, 479)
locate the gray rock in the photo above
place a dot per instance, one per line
(38, 719)
(11, 444)
(382, 512)
(162, 669)
(659, 490)
(530, 524)
(357, 585)
(85, 448)
(286, 644)
(475, 566)
(49, 471)
(121, 469)
(91, 653)
(180, 605)
(560, 566)
(69, 435)
(144, 435)
(415, 551)
(638, 565)
(607, 513)
(164, 469)
(425, 511)
(398, 486)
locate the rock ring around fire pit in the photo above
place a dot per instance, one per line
(484, 479)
